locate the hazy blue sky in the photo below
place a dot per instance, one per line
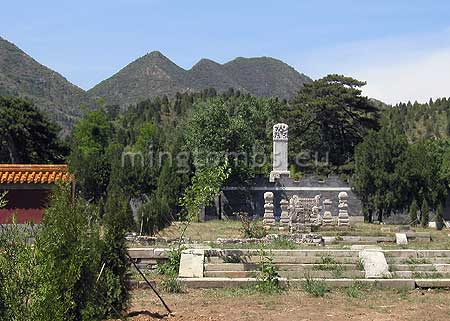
(401, 48)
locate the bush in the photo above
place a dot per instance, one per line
(170, 269)
(68, 261)
(154, 215)
(55, 279)
(172, 265)
(116, 222)
(251, 228)
(267, 276)
(17, 273)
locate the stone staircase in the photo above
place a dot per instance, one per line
(238, 267)
(290, 264)
(419, 264)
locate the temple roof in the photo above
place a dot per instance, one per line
(33, 174)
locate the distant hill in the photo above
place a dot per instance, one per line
(149, 76)
(155, 75)
(21, 75)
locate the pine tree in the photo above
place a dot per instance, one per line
(413, 213)
(440, 217)
(425, 214)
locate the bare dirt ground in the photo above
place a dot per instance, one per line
(240, 305)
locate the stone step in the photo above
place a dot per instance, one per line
(243, 282)
(421, 274)
(147, 253)
(295, 253)
(279, 267)
(410, 267)
(288, 274)
(433, 253)
(416, 253)
(416, 261)
(285, 259)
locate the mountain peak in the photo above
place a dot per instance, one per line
(154, 74)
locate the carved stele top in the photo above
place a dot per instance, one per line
(280, 131)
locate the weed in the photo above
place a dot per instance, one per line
(172, 265)
(251, 228)
(232, 259)
(171, 285)
(315, 287)
(326, 259)
(355, 290)
(360, 264)
(282, 243)
(267, 276)
(413, 261)
(425, 275)
(328, 263)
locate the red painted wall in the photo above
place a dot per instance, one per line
(27, 205)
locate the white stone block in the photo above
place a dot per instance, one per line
(401, 239)
(191, 263)
(375, 265)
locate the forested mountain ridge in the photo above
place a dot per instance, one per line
(150, 76)
(423, 121)
(22, 76)
(156, 75)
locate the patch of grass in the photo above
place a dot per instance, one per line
(282, 243)
(315, 287)
(171, 285)
(231, 292)
(356, 290)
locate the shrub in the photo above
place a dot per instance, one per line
(17, 273)
(251, 228)
(170, 270)
(68, 260)
(172, 265)
(56, 278)
(267, 276)
(116, 222)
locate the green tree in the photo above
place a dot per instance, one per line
(330, 115)
(117, 221)
(440, 217)
(413, 213)
(90, 160)
(26, 135)
(377, 177)
(68, 261)
(424, 214)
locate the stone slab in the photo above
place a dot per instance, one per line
(375, 264)
(433, 283)
(359, 247)
(401, 239)
(191, 263)
(243, 282)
